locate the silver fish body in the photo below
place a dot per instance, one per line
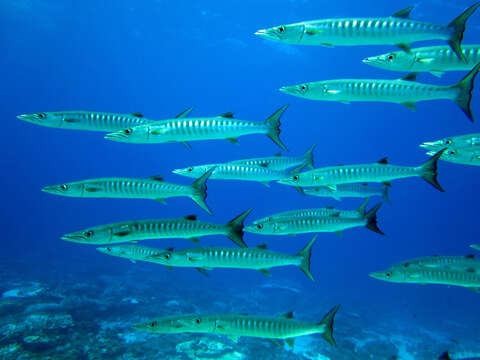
(475, 246)
(357, 190)
(131, 251)
(468, 262)
(86, 120)
(397, 29)
(380, 172)
(236, 325)
(205, 128)
(457, 142)
(433, 59)
(187, 228)
(464, 156)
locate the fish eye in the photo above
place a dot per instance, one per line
(127, 131)
(166, 256)
(388, 274)
(197, 321)
(451, 152)
(152, 324)
(109, 249)
(190, 169)
(89, 233)
(281, 29)
(448, 142)
(259, 226)
(63, 187)
(303, 87)
(390, 57)
(40, 115)
(296, 177)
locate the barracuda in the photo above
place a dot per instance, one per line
(458, 142)
(442, 262)
(319, 212)
(466, 278)
(475, 246)
(256, 258)
(397, 29)
(364, 190)
(433, 59)
(406, 91)
(131, 252)
(128, 188)
(279, 162)
(86, 120)
(236, 325)
(185, 228)
(205, 128)
(380, 172)
(464, 156)
(231, 171)
(314, 224)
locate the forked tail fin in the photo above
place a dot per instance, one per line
(458, 27)
(308, 156)
(273, 121)
(371, 217)
(199, 188)
(465, 90)
(235, 226)
(306, 254)
(428, 170)
(327, 325)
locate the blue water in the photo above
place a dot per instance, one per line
(160, 57)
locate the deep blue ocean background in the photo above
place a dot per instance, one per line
(160, 57)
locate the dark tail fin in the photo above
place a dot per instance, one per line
(274, 122)
(308, 156)
(327, 324)
(362, 207)
(235, 227)
(371, 217)
(200, 191)
(306, 254)
(428, 170)
(385, 194)
(458, 27)
(465, 89)
(445, 356)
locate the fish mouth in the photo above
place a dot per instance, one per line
(427, 145)
(286, 182)
(50, 189)
(370, 60)
(267, 34)
(74, 238)
(261, 32)
(23, 117)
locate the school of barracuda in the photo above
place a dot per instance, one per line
(356, 180)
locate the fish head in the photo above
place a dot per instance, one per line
(291, 33)
(397, 60)
(390, 275)
(177, 324)
(94, 235)
(66, 189)
(193, 171)
(136, 134)
(270, 227)
(319, 90)
(50, 119)
(459, 155)
(118, 250)
(438, 145)
(296, 180)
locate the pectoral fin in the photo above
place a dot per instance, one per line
(265, 272)
(187, 145)
(275, 342)
(195, 240)
(339, 233)
(161, 201)
(290, 342)
(202, 271)
(232, 140)
(410, 105)
(92, 189)
(266, 183)
(71, 120)
(404, 47)
(332, 187)
(234, 338)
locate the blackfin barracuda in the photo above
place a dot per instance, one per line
(187, 227)
(318, 212)
(380, 172)
(433, 59)
(233, 171)
(130, 188)
(420, 275)
(131, 252)
(183, 130)
(457, 142)
(279, 162)
(363, 190)
(464, 156)
(313, 224)
(442, 262)
(397, 29)
(86, 120)
(237, 325)
(255, 258)
(406, 91)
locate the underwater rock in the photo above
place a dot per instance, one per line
(43, 321)
(205, 349)
(39, 343)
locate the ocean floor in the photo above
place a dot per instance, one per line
(61, 317)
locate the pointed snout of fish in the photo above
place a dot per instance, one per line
(74, 238)
(427, 145)
(367, 60)
(261, 32)
(49, 189)
(285, 89)
(115, 136)
(23, 117)
(377, 275)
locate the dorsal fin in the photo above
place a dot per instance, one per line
(170, 249)
(410, 77)
(227, 115)
(470, 256)
(190, 217)
(287, 315)
(404, 13)
(278, 154)
(383, 161)
(137, 114)
(184, 113)
(364, 184)
(471, 270)
(261, 246)
(330, 207)
(156, 177)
